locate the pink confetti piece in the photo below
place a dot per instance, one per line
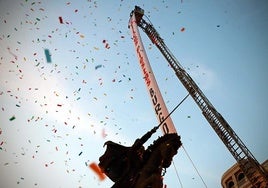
(103, 133)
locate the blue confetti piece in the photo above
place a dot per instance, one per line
(98, 66)
(48, 56)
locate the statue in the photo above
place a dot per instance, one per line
(135, 167)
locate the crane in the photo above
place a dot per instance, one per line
(254, 172)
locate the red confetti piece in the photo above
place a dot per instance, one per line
(97, 170)
(61, 20)
(107, 46)
(182, 29)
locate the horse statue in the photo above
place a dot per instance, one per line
(135, 167)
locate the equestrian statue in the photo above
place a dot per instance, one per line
(137, 167)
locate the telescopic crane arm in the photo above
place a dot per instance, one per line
(255, 173)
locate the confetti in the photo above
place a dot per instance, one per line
(182, 29)
(107, 46)
(60, 19)
(104, 134)
(97, 170)
(48, 56)
(12, 118)
(98, 66)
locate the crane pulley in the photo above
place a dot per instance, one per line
(255, 173)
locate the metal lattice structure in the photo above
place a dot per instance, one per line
(255, 173)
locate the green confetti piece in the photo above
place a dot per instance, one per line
(12, 118)
(48, 56)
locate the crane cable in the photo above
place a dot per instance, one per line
(177, 174)
(194, 166)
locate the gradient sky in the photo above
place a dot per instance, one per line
(92, 91)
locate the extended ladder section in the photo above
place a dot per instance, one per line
(255, 173)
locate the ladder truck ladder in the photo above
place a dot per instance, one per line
(255, 173)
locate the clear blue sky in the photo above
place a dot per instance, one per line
(93, 90)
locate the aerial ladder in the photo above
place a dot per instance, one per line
(254, 172)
